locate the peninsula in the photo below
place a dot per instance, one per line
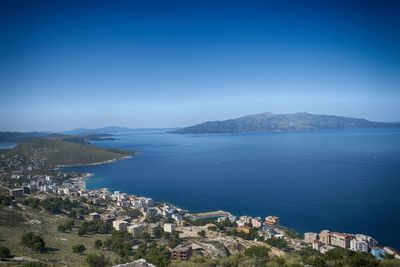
(37, 153)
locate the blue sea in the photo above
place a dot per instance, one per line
(341, 180)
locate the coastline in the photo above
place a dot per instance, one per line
(289, 221)
(94, 163)
(290, 233)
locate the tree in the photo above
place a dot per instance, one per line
(173, 239)
(158, 232)
(202, 233)
(159, 256)
(98, 244)
(33, 241)
(141, 251)
(212, 228)
(95, 260)
(78, 248)
(277, 242)
(94, 227)
(120, 242)
(4, 252)
(69, 225)
(82, 231)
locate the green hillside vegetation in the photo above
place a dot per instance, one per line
(52, 152)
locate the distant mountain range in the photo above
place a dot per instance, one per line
(81, 135)
(19, 137)
(115, 130)
(269, 122)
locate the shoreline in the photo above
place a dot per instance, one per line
(86, 176)
(94, 163)
(199, 215)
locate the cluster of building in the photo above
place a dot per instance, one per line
(48, 184)
(327, 240)
(267, 228)
(34, 160)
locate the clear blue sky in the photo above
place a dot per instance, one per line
(66, 64)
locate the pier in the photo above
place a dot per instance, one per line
(211, 214)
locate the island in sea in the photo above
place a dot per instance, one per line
(49, 218)
(269, 122)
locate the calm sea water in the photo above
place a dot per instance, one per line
(342, 180)
(5, 145)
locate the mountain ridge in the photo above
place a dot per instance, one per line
(269, 122)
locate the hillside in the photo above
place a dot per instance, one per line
(54, 152)
(19, 137)
(268, 122)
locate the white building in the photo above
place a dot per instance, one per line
(272, 220)
(232, 218)
(371, 242)
(316, 244)
(221, 219)
(60, 191)
(66, 191)
(169, 227)
(145, 202)
(136, 204)
(177, 217)
(246, 219)
(309, 237)
(256, 222)
(120, 225)
(359, 245)
(240, 223)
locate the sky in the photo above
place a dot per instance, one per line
(72, 64)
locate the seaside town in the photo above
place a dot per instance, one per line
(143, 218)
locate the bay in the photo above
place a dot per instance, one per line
(341, 180)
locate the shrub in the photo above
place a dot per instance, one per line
(98, 244)
(94, 260)
(33, 241)
(202, 233)
(159, 256)
(4, 252)
(257, 251)
(78, 248)
(34, 264)
(61, 228)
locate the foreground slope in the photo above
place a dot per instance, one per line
(54, 152)
(268, 122)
